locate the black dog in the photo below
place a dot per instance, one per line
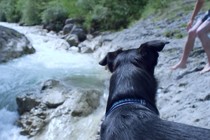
(131, 112)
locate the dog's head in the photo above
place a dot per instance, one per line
(145, 56)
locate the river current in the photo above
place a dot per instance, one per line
(27, 73)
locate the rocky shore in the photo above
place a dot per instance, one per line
(183, 95)
(58, 111)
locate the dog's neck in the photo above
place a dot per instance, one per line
(132, 101)
(131, 82)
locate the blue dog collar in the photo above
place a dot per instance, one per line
(124, 102)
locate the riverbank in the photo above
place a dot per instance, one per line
(183, 95)
(26, 75)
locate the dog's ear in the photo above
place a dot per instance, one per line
(109, 59)
(156, 45)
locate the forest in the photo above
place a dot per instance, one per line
(107, 14)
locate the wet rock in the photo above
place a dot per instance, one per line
(53, 91)
(54, 99)
(13, 44)
(49, 84)
(33, 120)
(26, 103)
(56, 102)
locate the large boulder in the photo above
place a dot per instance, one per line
(80, 32)
(58, 104)
(13, 44)
(76, 35)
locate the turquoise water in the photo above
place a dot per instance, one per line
(26, 75)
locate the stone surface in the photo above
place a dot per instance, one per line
(87, 103)
(67, 28)
(72, 40)
(13, 44)
(49, 84)
(27, 102)
(55, 103)
(183, 95)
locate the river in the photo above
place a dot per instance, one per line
(27, 73)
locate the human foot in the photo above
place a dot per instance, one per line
(179, 65)
(205, 69)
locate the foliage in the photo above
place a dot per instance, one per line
(155, 7)
(54, 16)
(109, 14)
(54, 12)
(31, 13)
(2, 13)
(31, 10)
(174, 34)
(8, 11)
(100, 14)
(158, 4)
(70, 7)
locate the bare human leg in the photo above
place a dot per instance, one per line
(188, 46)
(202, 32)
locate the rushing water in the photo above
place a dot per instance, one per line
(26, 74)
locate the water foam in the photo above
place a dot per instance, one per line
(8, 131)
(28, 72)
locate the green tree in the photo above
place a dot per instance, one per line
(31, 10)
(8, 11)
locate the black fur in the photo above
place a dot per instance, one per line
(133, 78)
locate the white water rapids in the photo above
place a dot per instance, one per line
(28, 72)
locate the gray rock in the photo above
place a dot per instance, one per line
(87, 103)
(67, 28)
(31, 123)
(53, 91)
(72, 40)
(26, 103)
(85, 49)
(54, 99)
(49, 84)
(55, 103)
(79, 32)
(13, 44)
